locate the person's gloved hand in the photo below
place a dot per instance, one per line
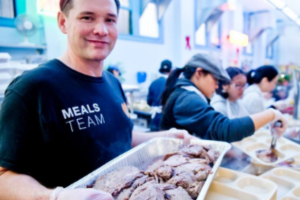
(79, 194)
(279, 117)
(282, 104)
(180, 134)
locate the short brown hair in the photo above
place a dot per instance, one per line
(66, 5)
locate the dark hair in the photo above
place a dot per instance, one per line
(232, 72)
(255, 76)
(66, 5)
(187, 71)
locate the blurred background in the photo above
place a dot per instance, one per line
(242, 33)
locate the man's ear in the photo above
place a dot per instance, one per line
(61, 21)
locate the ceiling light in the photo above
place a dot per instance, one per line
(290, 13)
(280, 4)
(298, 21)
(238, 38)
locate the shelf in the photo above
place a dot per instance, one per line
(39, 48)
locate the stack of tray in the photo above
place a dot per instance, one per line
(288, 182)
(285, 148)
(144, 154)
(233, 185)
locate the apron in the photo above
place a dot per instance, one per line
(242, 112)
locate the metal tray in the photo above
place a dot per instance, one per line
(144, 154)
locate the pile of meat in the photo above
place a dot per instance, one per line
(178, 176)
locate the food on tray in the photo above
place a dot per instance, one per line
(178, 175)
(267, 155)
(115, 181)
(141, 105)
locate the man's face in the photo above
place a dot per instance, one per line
(91, 28)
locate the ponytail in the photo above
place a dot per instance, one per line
(250, 76)
(171, 81)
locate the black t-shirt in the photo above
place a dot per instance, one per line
(58, 125)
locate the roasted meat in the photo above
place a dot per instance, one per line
(178, 176)
(177, 194)
(115, 181)
(148, 191)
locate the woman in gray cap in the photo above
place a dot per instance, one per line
(186, 104)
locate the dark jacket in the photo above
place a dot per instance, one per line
(187, 110)
(155, 90)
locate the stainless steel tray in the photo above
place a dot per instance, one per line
(144, 154)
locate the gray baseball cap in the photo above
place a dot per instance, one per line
(210, 64)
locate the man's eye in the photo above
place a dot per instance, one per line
(111, 20)
(86, 18)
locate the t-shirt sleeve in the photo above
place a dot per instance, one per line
(193, 114)
(18, 137)
(122, 92)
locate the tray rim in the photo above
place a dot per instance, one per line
(226, 147)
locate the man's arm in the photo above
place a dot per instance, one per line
(15, 186)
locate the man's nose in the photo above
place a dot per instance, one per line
(101, 29)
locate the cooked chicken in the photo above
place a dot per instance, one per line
(192, 150)
(150, 170)
(115, 181)
(178, 176)
(176, 160)
(183, 179)
(194, 189)
(165, 172)
(148, 191)
(177, 194)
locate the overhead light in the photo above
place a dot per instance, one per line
(298, 21)
(290, 13)
(280, 4)
(238, 38)
(46, 7)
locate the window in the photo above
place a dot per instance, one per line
(124, 20)
(270, 50)
(148, 23)
(201, 35)
(138, 20)
(248, 49)
(207, 25)
(9, 9)
(249, 24)
(215, 36)
(125, 3)
(210, 39)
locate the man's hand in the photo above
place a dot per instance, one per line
(82, 194)
(180, 134)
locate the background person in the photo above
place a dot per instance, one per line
(227, 100)
(186, 104)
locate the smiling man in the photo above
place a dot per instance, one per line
(67, 117)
